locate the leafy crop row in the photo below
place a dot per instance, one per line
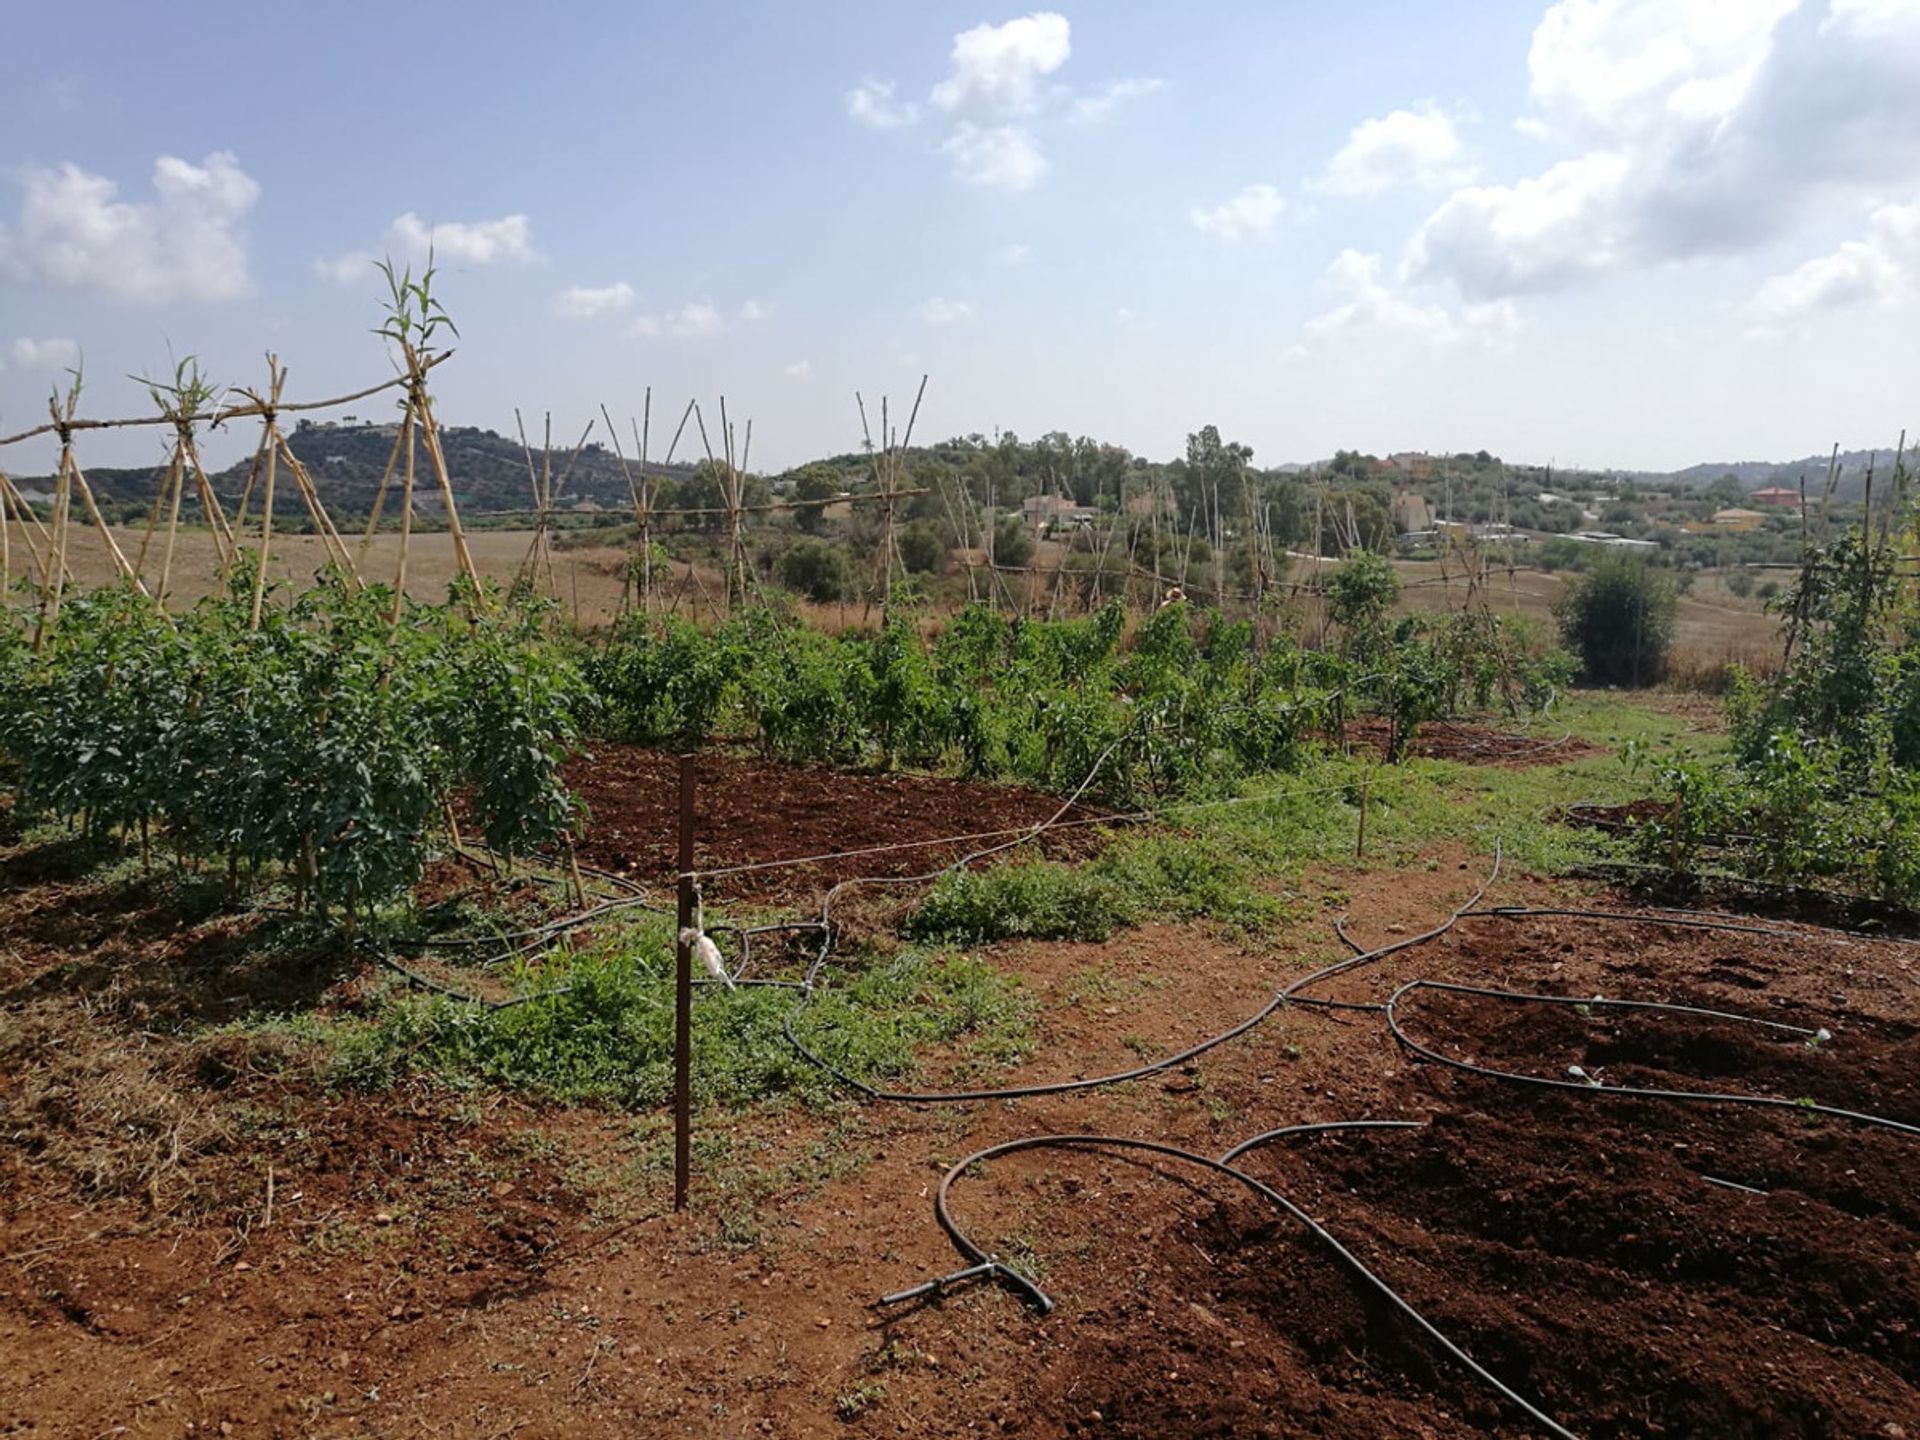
(322, 747)
(1187, 702)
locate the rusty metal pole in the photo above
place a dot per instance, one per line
(683, 998)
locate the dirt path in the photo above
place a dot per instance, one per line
(439, 1263)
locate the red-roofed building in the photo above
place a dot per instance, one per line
(1775, 495)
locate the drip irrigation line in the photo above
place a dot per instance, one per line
(1021, 832)
(985, 1264)
(1680, 919)
(1632, 1092)
(1281, 997)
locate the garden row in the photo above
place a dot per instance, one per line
(1188, 702)
(322, 746)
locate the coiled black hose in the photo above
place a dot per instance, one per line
(984, 1263)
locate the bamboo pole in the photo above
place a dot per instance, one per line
(254, 407)
(153, 513)
(57, 547)
(380, 494)
(406, 519)
(266, 514)
(173, 528)
(100, 522)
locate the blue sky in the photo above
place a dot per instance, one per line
(1603, 231)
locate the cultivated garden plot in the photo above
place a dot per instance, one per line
(1116, 1005)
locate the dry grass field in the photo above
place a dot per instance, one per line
(1715, 627)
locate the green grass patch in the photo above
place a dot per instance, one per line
(602, 1031)
(1138, 877)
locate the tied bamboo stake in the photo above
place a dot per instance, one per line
(266, 502)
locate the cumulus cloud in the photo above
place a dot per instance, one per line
(1091, 109)
(1252, 213)
(586, 302)
(1002, 157)
(410, 239)
(872, 104)
(1693, 128)
(1883, 269)
(478, 242)
(941, 311)
(696, 320)
(186, 243)
(1362, 302)
(1403, 147)
(49, 354)
(998, 68)
(752, 310)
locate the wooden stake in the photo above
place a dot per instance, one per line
(683, 997)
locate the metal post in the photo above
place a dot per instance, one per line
(683, 998)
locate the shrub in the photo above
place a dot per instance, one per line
(1618, 618)
(816, 569)
(922, 551)
(1012, 545)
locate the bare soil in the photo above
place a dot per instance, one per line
(750, 811)
(1473, 744)
(439, 1262)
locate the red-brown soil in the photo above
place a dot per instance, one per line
(1472, 744)
(447, 1263)
(752, 810)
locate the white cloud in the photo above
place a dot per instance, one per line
(1091, 109)
(187, 243)
(1123, 316)
(752, 310)
(798, 370)
(1363, 303)
(585, 302)
(941, 311)
(349, 269)
(1004, 157)
(998, 68)
(1403, 147)
(49, 354)
(1881, 270)
(1252, 213)
(1694, 128)
(696, 320)
(871, 103)
(1015, 254)
(409, 239)
(478, 242)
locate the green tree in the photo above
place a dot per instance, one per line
(922, 551)
(1012, 545)
(815, 482)
(816, 569)
(1618, 618)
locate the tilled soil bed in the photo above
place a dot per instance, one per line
(1472, 744)
(749, 811)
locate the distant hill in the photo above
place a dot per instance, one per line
(1761, 474)
(488, 471)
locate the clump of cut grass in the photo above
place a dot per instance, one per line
(102, 1109)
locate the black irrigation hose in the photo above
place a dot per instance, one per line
(1286, 994)
(1680, 919)
(1632, 1092)
(986, 1264)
